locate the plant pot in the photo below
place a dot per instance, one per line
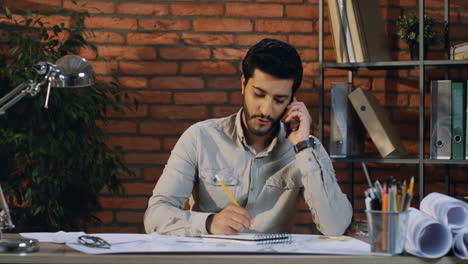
(414, 52)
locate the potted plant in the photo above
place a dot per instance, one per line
(54, 163)
(408, 31)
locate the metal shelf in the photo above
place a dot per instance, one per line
(395, 65)
(377, 160)
(445, 162)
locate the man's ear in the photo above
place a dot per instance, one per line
(243, 84)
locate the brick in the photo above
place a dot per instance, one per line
(281, 1)
(123, 202)
(254, 10)
(106, 217)
(229, 83)
(386, 99)
(197, 9)
(91, 7)
(138, 188)
(283, 26)
(200, 98)
(147, 158)
(169, 143)
(52, 20)
(129, 217)
(133, 82)
(302, 11)
(153, 97)
(208, 39)
(414, 101)
(304, 218)
(104, 37)
(87, 53)
(207, 67)
(250, 40)
(111, 23)
(223, 111)
(119, 126)
(222, 25)
(131, 112)
(178, 82)
(165, 24)
(32, 5)
(135, 143)
(163, 128)
(310, 69)
(152, 174)
(174, 112)
(236, 98)
(104, 67)
(308, 54)
(152, 38)
(229, 54)
(143, 9)
(304, 41)
(126, 53)
(148, 68)
(184, 53)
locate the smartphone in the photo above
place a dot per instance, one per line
(291, 126)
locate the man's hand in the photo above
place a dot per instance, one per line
(298, 110)
(229, 221)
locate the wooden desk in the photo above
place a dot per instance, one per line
(59, 253)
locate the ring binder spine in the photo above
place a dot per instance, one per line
(272, 238)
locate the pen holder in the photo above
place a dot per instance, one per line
(387, 231)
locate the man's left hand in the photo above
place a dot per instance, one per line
(298, 111)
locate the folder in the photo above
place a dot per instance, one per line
(337, 32)
(377, 124)
(466, 125)
(346, 131)
(441, 119)
(347, 33)
(458, 120)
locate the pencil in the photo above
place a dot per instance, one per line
(226, 190)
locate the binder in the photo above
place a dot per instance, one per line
(346, 131)
(347, 32)
(337, 32)
(441, 119)
(466, 125)
(377, 124)
(458, 120)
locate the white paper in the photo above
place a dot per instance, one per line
(57, 237)
(153, 243)
(460, 243)
(426, 237)
(445, 209)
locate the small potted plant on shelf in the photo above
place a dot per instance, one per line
(408, 31)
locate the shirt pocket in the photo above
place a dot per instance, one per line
(284, 181)
(208, 176)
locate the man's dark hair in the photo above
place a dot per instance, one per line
(276, 58)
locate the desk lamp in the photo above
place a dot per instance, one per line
(70, 71)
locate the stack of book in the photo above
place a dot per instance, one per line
(459, 52)
(358, 31)
(448, 120)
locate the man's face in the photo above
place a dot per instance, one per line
(265, 100)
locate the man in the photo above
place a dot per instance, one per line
(265, 171)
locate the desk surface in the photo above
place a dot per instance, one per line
(59, 253)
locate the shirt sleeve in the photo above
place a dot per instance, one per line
(330, 208)
(165, 213)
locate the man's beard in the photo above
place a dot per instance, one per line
(257, 132)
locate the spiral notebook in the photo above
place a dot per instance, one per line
(254, 238)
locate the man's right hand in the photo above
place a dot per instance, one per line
(229, 221)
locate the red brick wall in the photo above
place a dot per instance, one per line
(180, 59)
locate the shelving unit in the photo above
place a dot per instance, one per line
(420, 64)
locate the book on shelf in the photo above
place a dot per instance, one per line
(459, 51)
(458, 120)
(346, 131)
(441, 119)
(377, 124)
(338, 36)
(347, 33)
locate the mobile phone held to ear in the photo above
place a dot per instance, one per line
(291, 126)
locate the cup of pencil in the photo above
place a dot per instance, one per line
(387, 216)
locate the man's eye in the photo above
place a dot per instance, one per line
(259, 95)
(279, 101)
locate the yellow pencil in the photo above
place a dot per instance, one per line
(226, 190)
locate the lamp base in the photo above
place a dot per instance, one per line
(19, 245)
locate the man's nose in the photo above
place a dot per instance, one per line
(266, 108)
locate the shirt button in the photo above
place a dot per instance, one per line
(251, 189)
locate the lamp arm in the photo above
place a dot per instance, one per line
(16, 94)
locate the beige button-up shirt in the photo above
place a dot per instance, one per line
(268, 184)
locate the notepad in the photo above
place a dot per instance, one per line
(254, 238)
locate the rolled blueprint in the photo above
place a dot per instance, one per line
(426, 237)
(460, 243)
(445, 209)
